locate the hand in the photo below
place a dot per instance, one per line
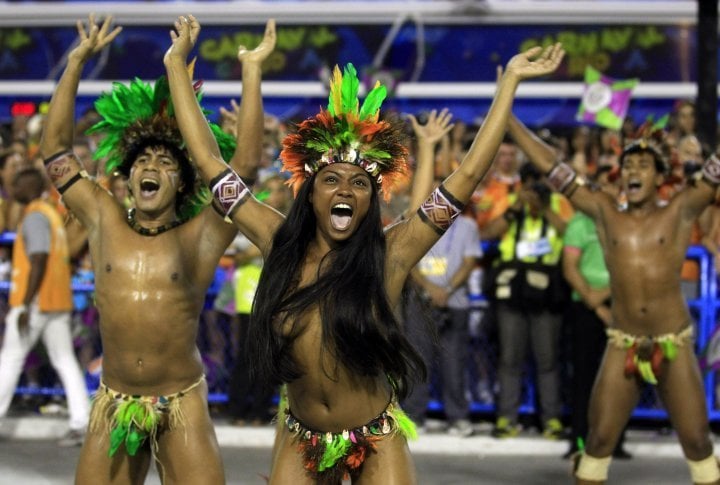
(438, 296)
(230, 117)
(533, 63)
(94, 39)
(187, 30)
(436, 127)
(603, 312)
(595, 297)
(263, 50)
(23, 322)
(527, 196)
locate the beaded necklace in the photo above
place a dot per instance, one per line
(153, 231)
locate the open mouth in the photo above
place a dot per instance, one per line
(341, 216)
(634, 186)
(148, 187)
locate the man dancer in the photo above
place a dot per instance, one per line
(153, 266)
(651, 335)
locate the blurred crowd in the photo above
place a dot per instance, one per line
(483, 341)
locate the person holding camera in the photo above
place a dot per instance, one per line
(528, 291)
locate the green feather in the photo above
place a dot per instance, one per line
(117, 436)
(376, 153)
(134, 440)
(669, 349)
(372, 102)
(350, 86)
(334, 450)
(406, 426)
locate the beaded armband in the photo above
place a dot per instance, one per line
(440, 210)
(563, 178)
(711, 170)
(62, 164)
(229, 191)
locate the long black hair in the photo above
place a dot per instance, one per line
(358, 324)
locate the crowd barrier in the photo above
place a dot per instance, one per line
(704, 310)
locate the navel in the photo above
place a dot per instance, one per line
(174, 276)
(108, 268)
(139, 363)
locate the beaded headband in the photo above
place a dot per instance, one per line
(649, 138)
(346, 132)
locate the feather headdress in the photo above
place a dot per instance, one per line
(141, 115)
(649, 137)
(347, 132)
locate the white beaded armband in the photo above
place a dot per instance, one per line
(229, 191)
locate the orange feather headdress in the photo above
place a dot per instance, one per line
(349, 133)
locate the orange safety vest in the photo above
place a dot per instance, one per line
(55, 294)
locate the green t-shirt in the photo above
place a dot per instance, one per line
(581, 234)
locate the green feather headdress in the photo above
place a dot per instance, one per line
(141, 115)
(348, 132)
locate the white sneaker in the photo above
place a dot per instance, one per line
(461, 427)
(72, 438)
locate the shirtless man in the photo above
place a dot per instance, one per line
(323, 317)
(651, 335)
(152, 270)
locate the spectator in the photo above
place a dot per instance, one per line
(527, 295)
(41, 303)
(441, 275)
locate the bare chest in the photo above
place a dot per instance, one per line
(655, 240)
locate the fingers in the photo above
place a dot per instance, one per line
(235, 105)
(105, 26)
(413, 122)
(81, 30)
(270, 33)
(498, 73)
(445, 117)
(533, 52)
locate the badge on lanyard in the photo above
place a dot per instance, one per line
(527, 249)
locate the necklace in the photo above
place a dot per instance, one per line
(153, 231)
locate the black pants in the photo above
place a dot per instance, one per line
(249, 399)
(588, 342)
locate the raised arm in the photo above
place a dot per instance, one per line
(699, 195)
(64, 169)
(256, 220)
(408, 242)
(428, 136)
(544, 158)
(249, 117)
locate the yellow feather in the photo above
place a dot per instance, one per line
(336, 91)
(191, 67)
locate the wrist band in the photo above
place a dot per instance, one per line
(711, 170)
(229, 191)
(563, 178)
(440, 210)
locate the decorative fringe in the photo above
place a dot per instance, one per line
(646, 354)
(133, 420)
(329, 457)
